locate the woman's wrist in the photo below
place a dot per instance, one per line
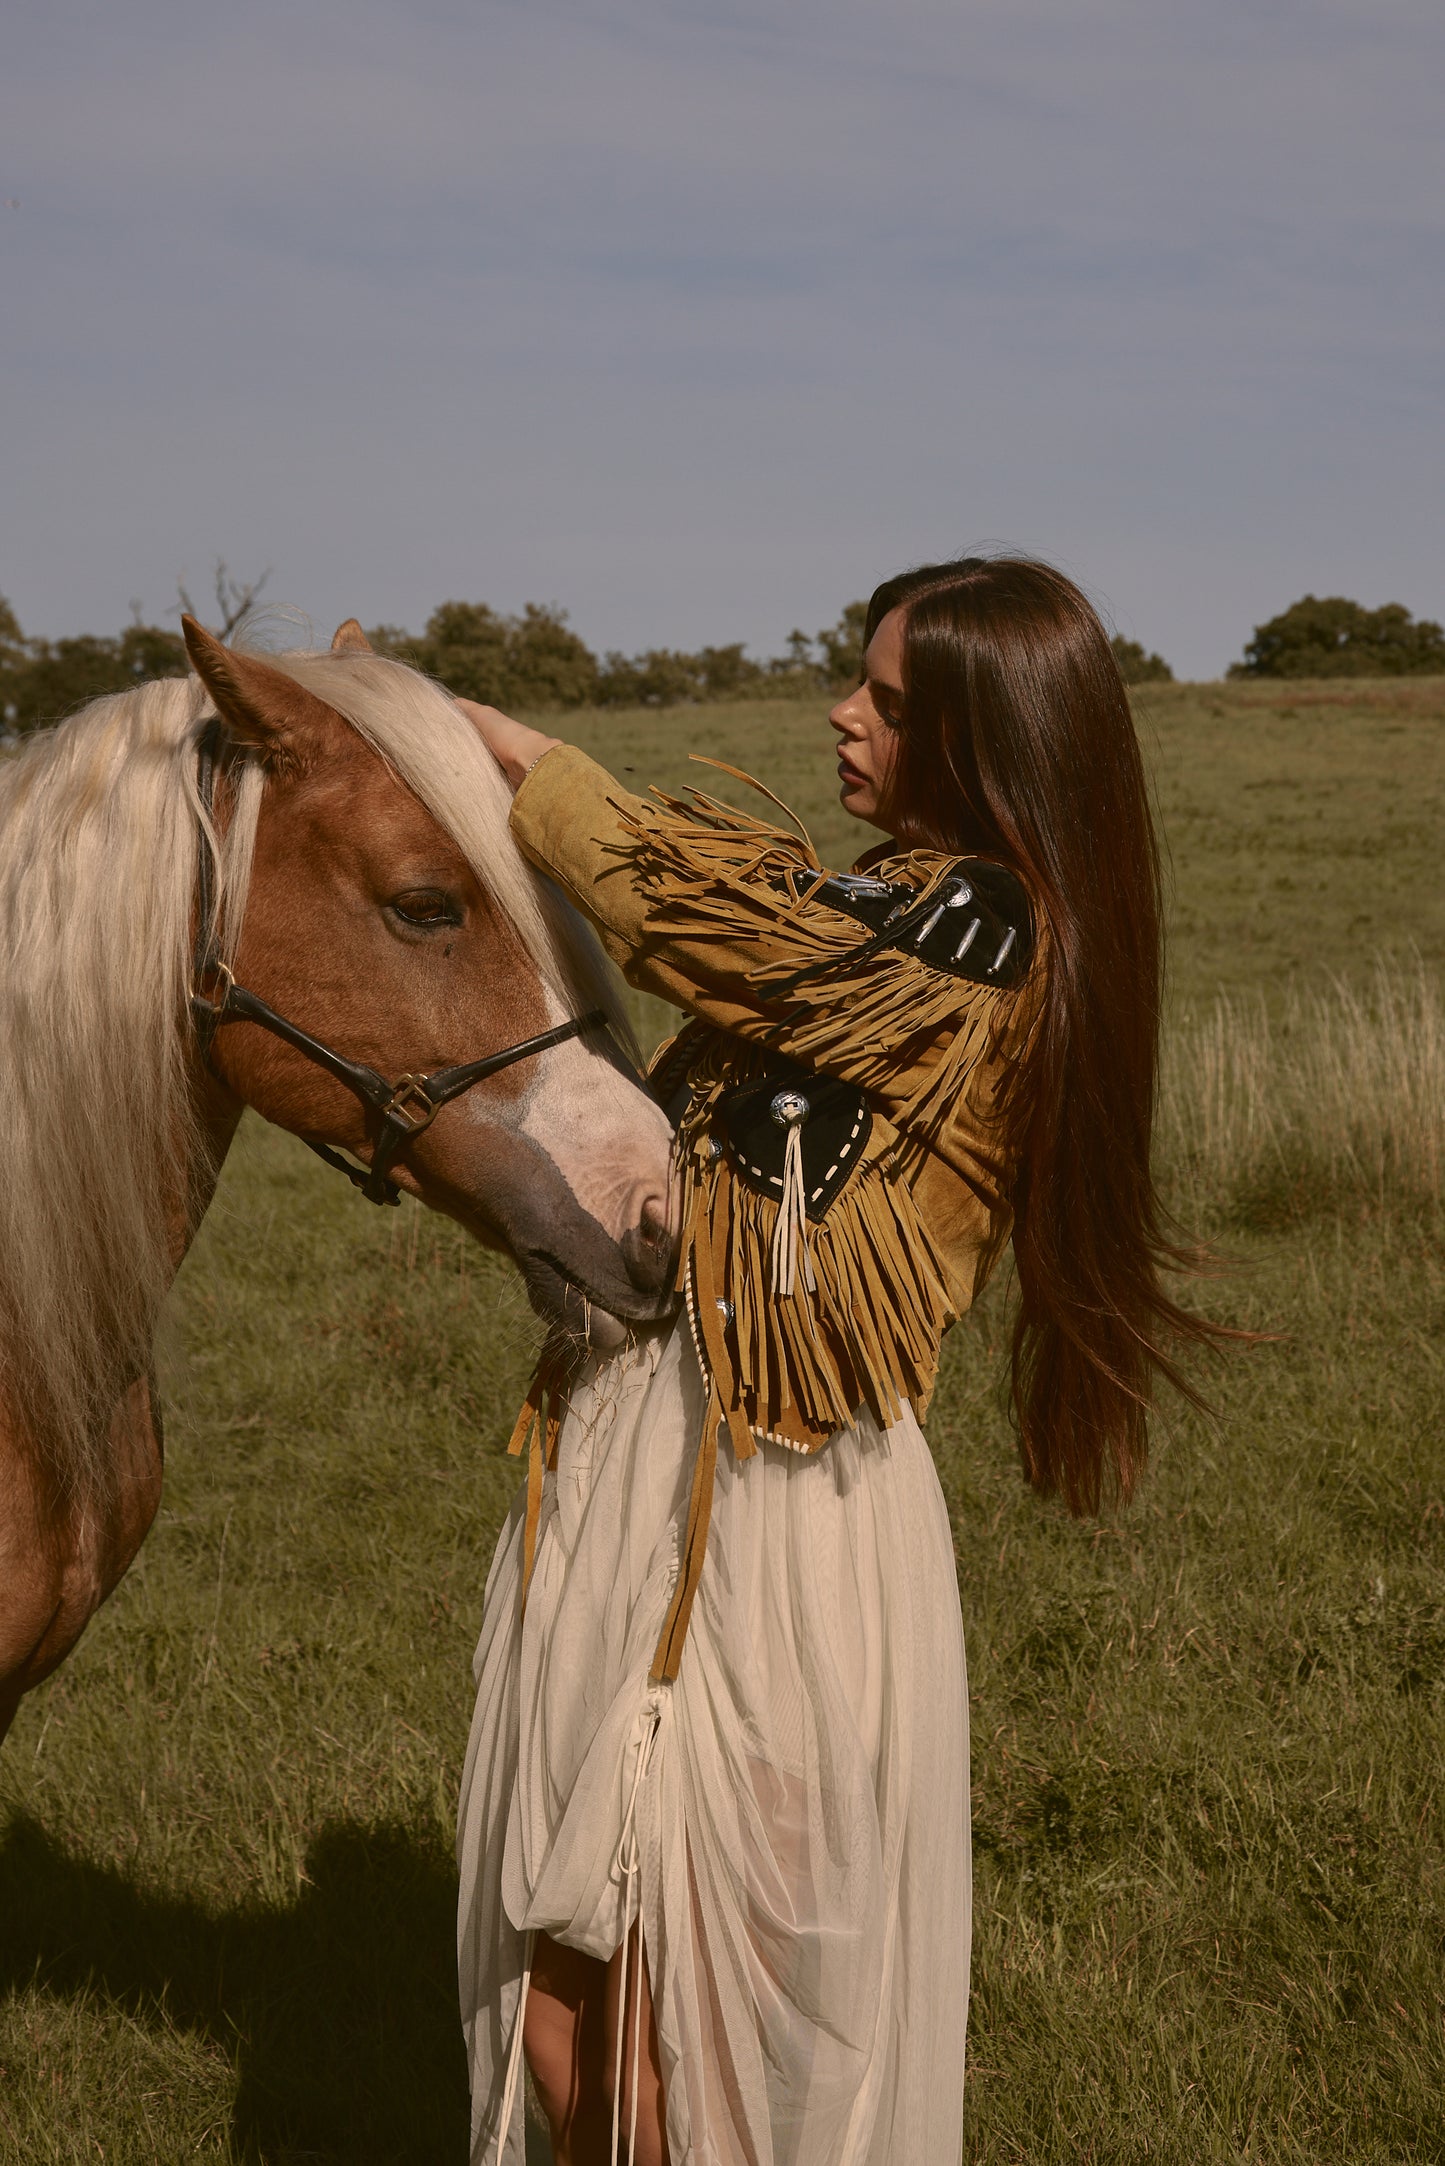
(551, 744)
(515, 746)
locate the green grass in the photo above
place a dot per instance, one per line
(1208, 1733)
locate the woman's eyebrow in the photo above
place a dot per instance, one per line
(881, 684)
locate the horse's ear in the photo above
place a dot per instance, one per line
(260, 705)
(349, 638)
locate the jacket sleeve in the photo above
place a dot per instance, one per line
(718, 911)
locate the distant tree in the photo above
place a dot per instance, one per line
(795, 670)
(659, 678)
(663, 677)
(43, 679)
(1136, 666)
(14, 661)
(1333, 637)
(235, 598)
(465, 647)
(64, 673)
(726, 672)
(534, 660)
(394, 641)
(842, 647)
(548, 664)
(148, 650)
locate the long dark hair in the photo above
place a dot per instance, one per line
(1016, 743)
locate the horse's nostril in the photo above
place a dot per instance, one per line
(653, 1224)
(649, 1246)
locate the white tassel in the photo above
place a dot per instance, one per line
(790, 1236)
(628, 1863)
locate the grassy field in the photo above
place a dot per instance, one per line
(1208, 1733)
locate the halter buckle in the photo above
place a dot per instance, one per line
(409, 1106)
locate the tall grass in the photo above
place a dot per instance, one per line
(1334, 1099)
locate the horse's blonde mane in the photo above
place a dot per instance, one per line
(103, 1156)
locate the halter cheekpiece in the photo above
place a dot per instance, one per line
(403, 1108)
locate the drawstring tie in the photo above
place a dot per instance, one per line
(628, 1863)
(514, 2056)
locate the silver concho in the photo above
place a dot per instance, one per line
(789, 1109)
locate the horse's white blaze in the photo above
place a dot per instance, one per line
(613, 1152)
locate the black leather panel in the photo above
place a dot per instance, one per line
(835, 1133)
(978, 926)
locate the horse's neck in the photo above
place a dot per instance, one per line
(64, 1553)
(189, 1198)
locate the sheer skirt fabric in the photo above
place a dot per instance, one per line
(790, 1817)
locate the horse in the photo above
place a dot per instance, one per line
(275, 883)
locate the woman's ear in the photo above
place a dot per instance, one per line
(260, 705)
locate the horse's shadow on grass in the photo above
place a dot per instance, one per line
(338, 2010)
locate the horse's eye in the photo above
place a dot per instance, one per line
(425, 907)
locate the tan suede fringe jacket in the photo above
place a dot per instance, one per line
(813, 1288)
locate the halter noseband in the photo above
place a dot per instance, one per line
(404, 1108)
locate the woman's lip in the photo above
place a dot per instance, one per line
(849, 774)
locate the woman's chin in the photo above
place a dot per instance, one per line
(858, 799)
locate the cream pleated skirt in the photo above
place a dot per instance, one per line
(789, 1819)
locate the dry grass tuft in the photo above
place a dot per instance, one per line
(1337, 1098)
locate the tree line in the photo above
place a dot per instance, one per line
(534, 660)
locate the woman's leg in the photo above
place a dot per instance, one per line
(650, 2148)
(570, 2038)
(564, 2036)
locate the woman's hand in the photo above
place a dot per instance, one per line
(513, 746)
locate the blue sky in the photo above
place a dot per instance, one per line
(699, 319)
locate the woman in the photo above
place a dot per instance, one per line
(721, 1672)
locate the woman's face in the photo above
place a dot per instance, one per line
(867, 722)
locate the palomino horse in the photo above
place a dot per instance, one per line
(322, 841)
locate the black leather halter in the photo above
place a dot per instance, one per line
(403, 1108)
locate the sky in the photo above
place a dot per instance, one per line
(698, 320)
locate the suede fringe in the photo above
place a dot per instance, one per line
(537, 1429)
